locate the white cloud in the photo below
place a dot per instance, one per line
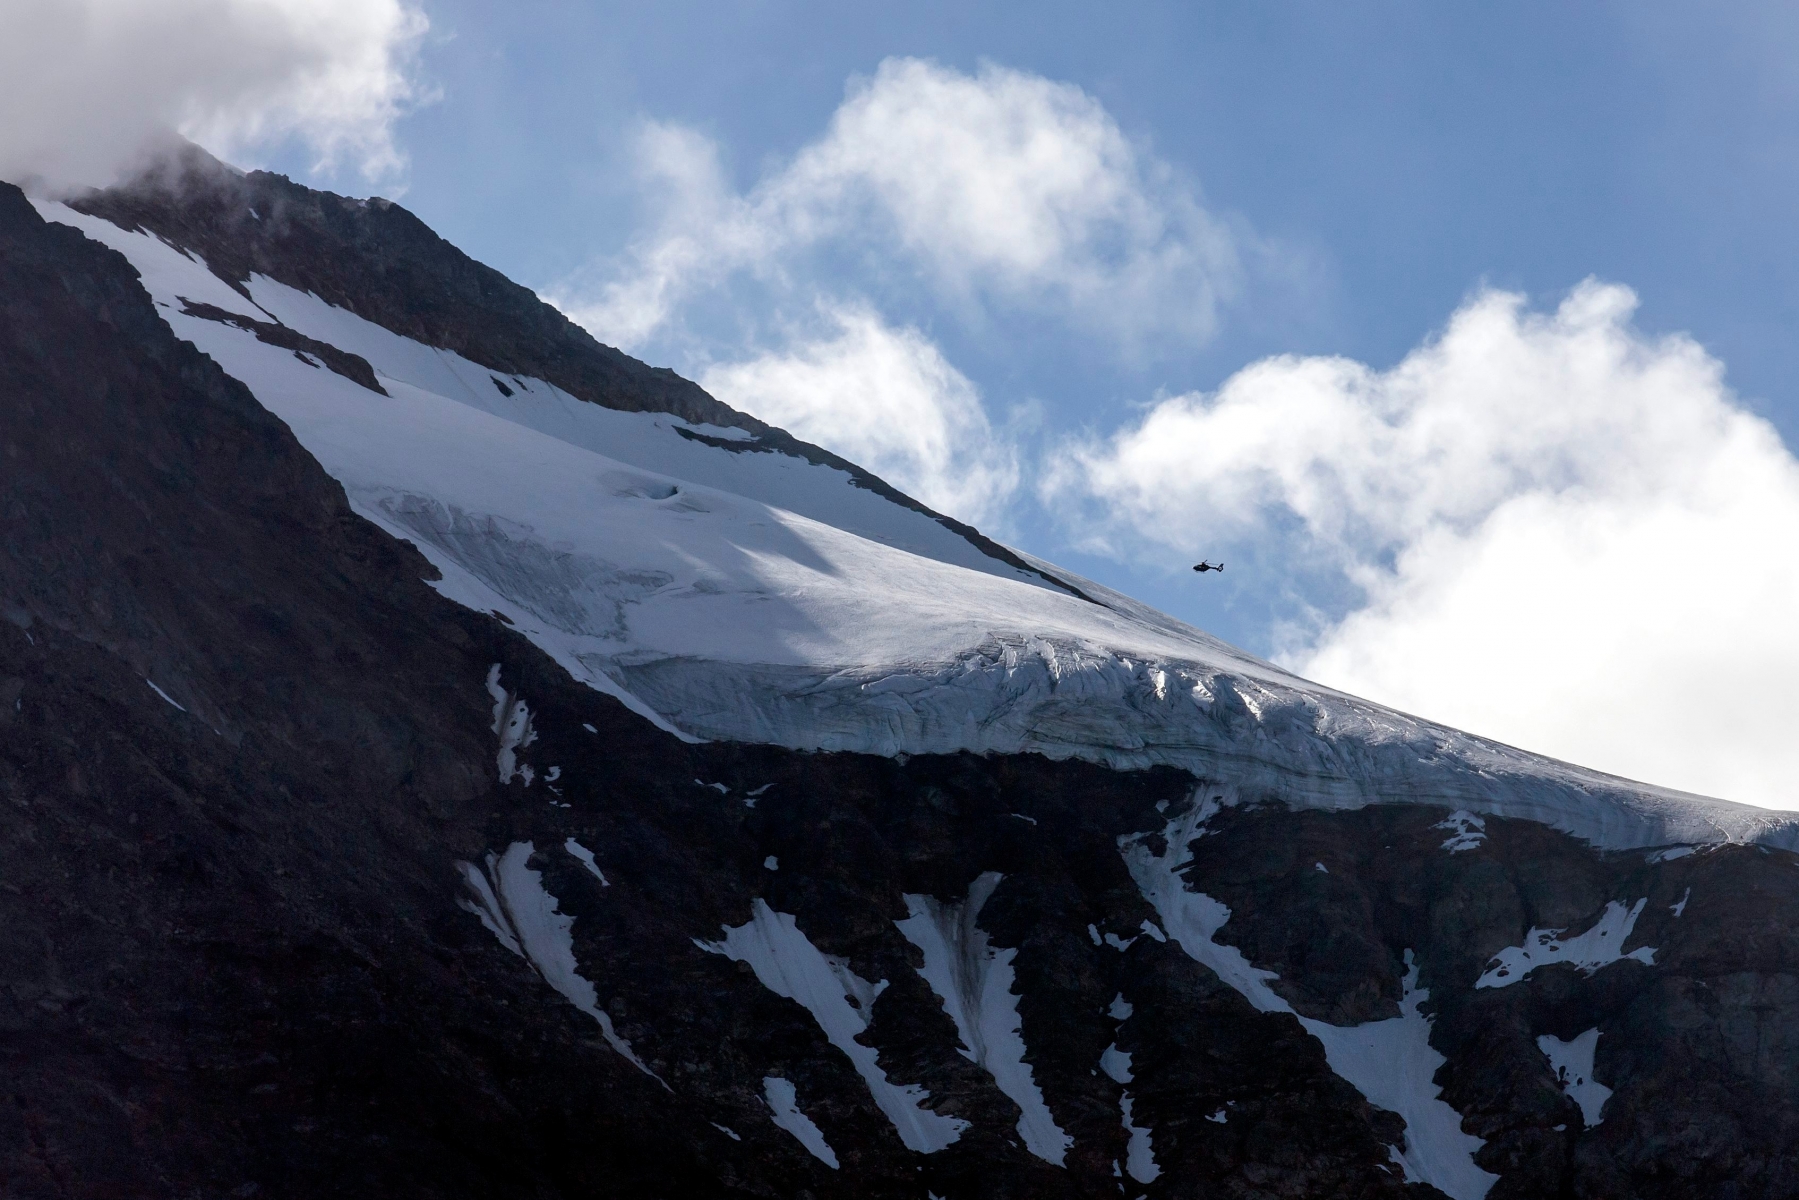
(88, 88)
(996, 186)
(887, 400)
(1563, 533)
(996, 192)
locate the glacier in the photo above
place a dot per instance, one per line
(724, 590)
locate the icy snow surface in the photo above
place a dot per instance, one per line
(789, 965)
(974, 981)
(524, 916)
(784, 1104)
(1572, 1063)
(1597, 947)
(752, 595)
(1390, 1062)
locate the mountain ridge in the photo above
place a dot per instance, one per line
(321, 877)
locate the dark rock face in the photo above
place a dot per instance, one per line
(308, 350)
(233, 959)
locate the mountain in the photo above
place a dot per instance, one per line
(444, 756)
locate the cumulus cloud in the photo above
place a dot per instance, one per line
(886, 399)
(998, 186)
(90, 88)
(1560, 532)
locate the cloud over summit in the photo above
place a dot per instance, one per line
(90, 88)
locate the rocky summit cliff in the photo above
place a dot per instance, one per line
(441, 756)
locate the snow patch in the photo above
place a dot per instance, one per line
(727, 1130)
(1116, 1063)
(486, 905)
(1670, 854)
(524, 916)
(512, 722)
(771, 863)
(1681, 906)
(1139, 1155)
(1467, 831)
(1599, 946)
(783, 1103)
(1390, 1062)
(974, 981)
(788, 964)
(586, 856)
(164, 694)
(1572, 1063)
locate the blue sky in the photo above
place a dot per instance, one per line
(1410, 152)
(1463, 333)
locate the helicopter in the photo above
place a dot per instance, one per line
(1203, 567)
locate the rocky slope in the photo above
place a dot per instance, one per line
(320, 878)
